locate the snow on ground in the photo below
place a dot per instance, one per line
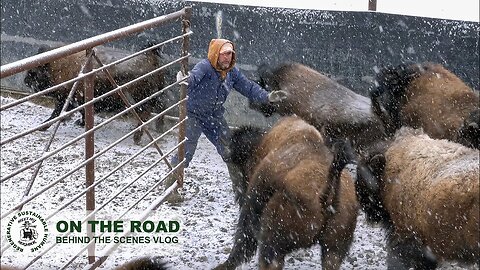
(207, 216)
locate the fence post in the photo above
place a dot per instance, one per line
(89, 151)
(183, 94)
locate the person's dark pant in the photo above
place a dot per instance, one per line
(215, 129)
(217, 132)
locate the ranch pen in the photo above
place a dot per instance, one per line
(88, 45)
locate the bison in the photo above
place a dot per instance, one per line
(427, 96)
(335, 110)
(144, 263)
(425, 193)
(295, 195)
(58, 71)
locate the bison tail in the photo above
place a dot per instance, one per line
(387, 121)
(368, 187)
(343, 155)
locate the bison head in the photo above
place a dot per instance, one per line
(38, 78)
(469, 132)
(269, 80)
(243, 144)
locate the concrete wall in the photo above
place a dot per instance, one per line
(347, 46)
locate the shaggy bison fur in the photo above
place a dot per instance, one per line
(295, 195)
(425, 192)
(335, 110)
(430, 97)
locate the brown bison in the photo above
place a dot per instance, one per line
(144, 263)
(295, 195)
(425, 192)
(335, 110)
(427, 96)
(58, 71)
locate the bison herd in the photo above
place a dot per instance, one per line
(138, 91)
(414, 142)
(416, 149)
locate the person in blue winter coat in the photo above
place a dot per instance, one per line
(210, 82)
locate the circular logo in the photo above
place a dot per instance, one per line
(27, 231)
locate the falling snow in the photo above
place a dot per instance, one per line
(207, 216)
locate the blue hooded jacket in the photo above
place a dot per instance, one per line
(208, 90)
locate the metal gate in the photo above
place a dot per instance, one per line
(30, 173)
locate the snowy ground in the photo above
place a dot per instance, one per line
(207, 216)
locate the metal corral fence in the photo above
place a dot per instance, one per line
(28, 169)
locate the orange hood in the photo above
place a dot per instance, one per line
(213, 53)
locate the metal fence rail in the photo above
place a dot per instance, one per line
(86, 168)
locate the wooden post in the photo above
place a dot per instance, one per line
(372, 5)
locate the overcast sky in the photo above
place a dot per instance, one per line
(467, 10)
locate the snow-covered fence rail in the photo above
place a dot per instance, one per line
(42, 173)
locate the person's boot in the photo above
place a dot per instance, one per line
(172, 178)
(175, 197)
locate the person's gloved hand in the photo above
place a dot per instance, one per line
(180, 77)
(277, 96)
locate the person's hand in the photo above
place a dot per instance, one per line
(277, 96)
(180, 77)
